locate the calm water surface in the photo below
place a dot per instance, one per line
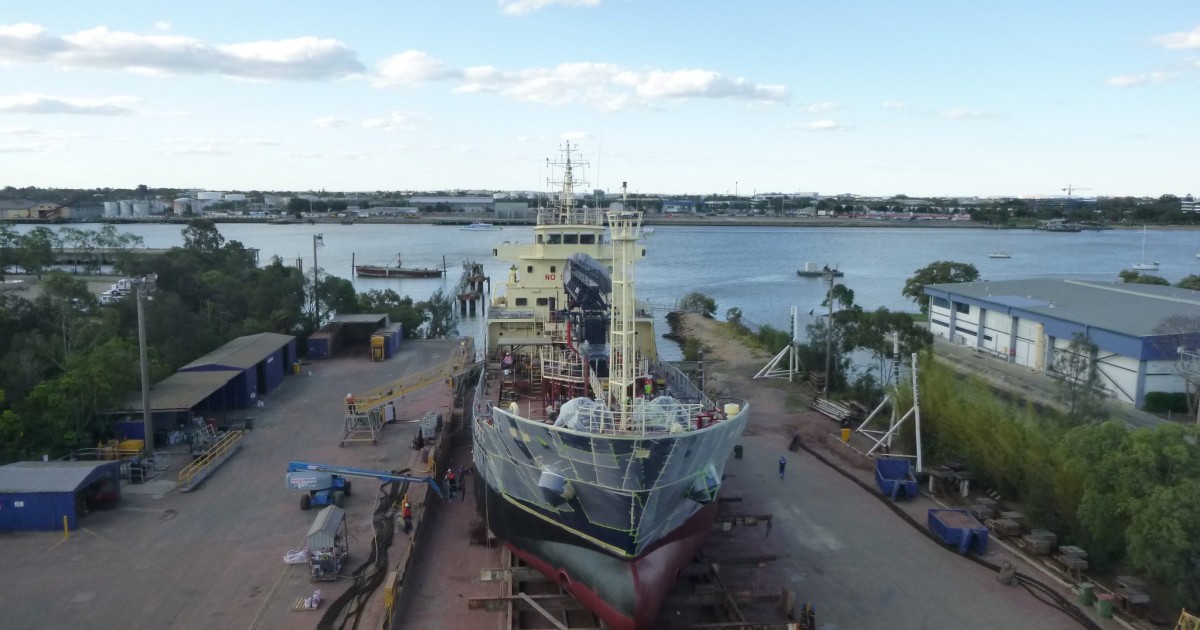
(752, 268)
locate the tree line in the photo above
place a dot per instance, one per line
(65, 358)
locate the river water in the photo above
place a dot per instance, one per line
(752, 268)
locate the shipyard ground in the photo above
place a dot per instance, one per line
(213, 557)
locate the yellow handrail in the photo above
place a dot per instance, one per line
(223, 446)
(357, 404)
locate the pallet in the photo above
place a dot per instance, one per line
(300, 607)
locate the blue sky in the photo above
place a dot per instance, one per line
(673, 96)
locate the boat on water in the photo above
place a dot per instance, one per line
(598, 463)
(999, 254)
(480, 227)
(1145, 265)
(397, 271)
(815, 270)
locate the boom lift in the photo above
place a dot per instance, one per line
(365, 412)
(323, 484)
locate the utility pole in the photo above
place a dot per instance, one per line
(318, 239)
(143, 286)
(829, 333)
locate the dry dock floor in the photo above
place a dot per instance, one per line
(213, 557)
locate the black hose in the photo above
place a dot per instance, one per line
(1039, 590)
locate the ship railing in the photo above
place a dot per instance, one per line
(570, 216)
(607, 422)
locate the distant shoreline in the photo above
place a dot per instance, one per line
(650, 220)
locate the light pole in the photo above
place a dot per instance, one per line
(318, 239)
(829, 333)
(145, 285)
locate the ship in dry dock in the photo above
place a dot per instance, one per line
(600, 463)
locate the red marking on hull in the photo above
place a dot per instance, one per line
(653, 573)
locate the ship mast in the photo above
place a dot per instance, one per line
(564, 212)
(624, 229)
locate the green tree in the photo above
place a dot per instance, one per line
(202, 235)
(10, 244)
(698, 303)
(940, 272)
(1080, 388)
(37, 250)
(1134, 277)
(439, 312)
(399, 309)
(1191, 281)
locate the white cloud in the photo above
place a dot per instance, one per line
(225, 142)
(355, 155)
(33, 147)
(41, 104)
(575, 136)
(960, 113)
(1135, 80)
(199, 150)
(411, 68)
(612, 87)
(161, 26)
(522, 138)
(824, 106)
(303, 154)
(894, 104)
(521, 7)
(26, 132)
(1182, 40)
(822, 125)
(302, 58)
(396, 121)
(331, 121)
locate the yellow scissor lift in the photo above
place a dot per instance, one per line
(364, 418)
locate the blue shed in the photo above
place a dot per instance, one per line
(37, 496)
(262, 360)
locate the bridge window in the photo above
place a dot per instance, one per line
(587, 239)
(554, 239)
(529, 269)
(962, 308)
(522, 301)
(540, 239)
(553, 268)
(570, 239)
(543, 301)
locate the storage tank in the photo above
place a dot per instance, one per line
(158, 207)
(235, 197)
(141, 208)
(111, 209)
(210, 196)
(181, 205)
(126, 208)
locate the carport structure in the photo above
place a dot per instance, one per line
(259, 362)
(41, 496)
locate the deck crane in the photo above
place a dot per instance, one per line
(323, 484)
(365, 411)
(1069, 189)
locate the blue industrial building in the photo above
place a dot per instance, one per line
(1138, 329)
(40, 496)
(260, 362)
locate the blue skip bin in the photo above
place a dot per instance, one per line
(958, 528)
(895, 478)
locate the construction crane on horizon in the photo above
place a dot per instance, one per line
(1069, 189)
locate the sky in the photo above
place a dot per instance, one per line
(924, 98)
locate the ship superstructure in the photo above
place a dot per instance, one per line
(599, 463)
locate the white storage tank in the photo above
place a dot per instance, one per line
(126, 208)
(181, 205)
(112, 209)
(141, 208)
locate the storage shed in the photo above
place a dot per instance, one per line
(260, 361)
(37, 496)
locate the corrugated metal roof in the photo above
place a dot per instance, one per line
(182, 390)
(242, 353)
(1137, 310)
(56, 476)
(323, 532)
(361, 318)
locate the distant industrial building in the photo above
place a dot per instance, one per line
(27, 209)
(1188, 204)
(453, 204)
(514, 210)
(681, 206)
(1137, 328)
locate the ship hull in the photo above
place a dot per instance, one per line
(395, 272)
(627, 594)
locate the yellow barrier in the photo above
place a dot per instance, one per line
(223, 446)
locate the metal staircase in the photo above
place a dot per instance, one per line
(205, 464)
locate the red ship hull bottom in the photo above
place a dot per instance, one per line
(649, 578)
